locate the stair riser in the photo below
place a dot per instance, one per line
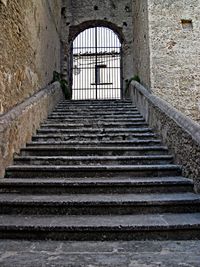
(96, 131)
(52, 143)
(108, 113)
(97, 125)
(97, 102)
(94, 117)
(96, 209)
(96, 189)
(103, 105)
(91, 162)
(89, 138)
(91, 105)
(95, 109)
(97, 234)
(90, 174)
(93, 121)
(52, 152)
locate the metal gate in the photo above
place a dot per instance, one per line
(97, 65)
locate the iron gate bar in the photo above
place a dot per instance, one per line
(97, 65)
(96, 60)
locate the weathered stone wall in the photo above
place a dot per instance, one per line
(116, 13)
(29, 48)
(178, 132)
(19, 124)
(141, 54)
(174, 29)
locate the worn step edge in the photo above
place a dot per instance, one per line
(91, 186)
(97, 101)
(93, 121)
(101, 199)
(95, 109)
(91, 171)
(90, 104)
(61, 205)
(102, 181)
(88, 148)
(96, 113)
(98, 130)
(108, 168)
(80, 116)
(102, 185)
(85, 135)
(90, 125)
(94, 142)
(95, 157)
(135, 227)
(92, 160)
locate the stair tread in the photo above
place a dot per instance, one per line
(97, 135)
(113, 199)
(102, 222)
(99, 129)
(58, 124)
(101, 181)
(94, 167)
(124, 148)
(96, 117)
(98, 142)
(95, 157)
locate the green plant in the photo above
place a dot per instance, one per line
(128, 82)
(58, 77)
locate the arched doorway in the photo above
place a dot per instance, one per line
(97, 65)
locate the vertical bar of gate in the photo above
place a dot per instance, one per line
(96, 61)
(121, 74)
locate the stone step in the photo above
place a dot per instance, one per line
(97, 106)
(93, 121)
(30, 171)
(93, 124)
(99, 143)
(96, 102)
(102, 104)
(95, 110)
(95, 130)
(96, 113)
(93, 186)
(81, 228)
(83, 136)
(94, 117)
(99, 204)
(93, 151)
(94, 160)
(91, 105)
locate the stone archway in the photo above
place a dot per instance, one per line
(74, 30)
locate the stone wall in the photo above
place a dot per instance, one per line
(18, 125)
(141, 54)
(178, 132)
(174, 29)
(29, 48)
(79, 15)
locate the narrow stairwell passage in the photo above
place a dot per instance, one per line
(96, 171)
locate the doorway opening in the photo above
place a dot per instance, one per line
(97, 65)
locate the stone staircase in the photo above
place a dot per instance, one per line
(96, 171)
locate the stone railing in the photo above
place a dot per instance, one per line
(178, 132)
(19, 124)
